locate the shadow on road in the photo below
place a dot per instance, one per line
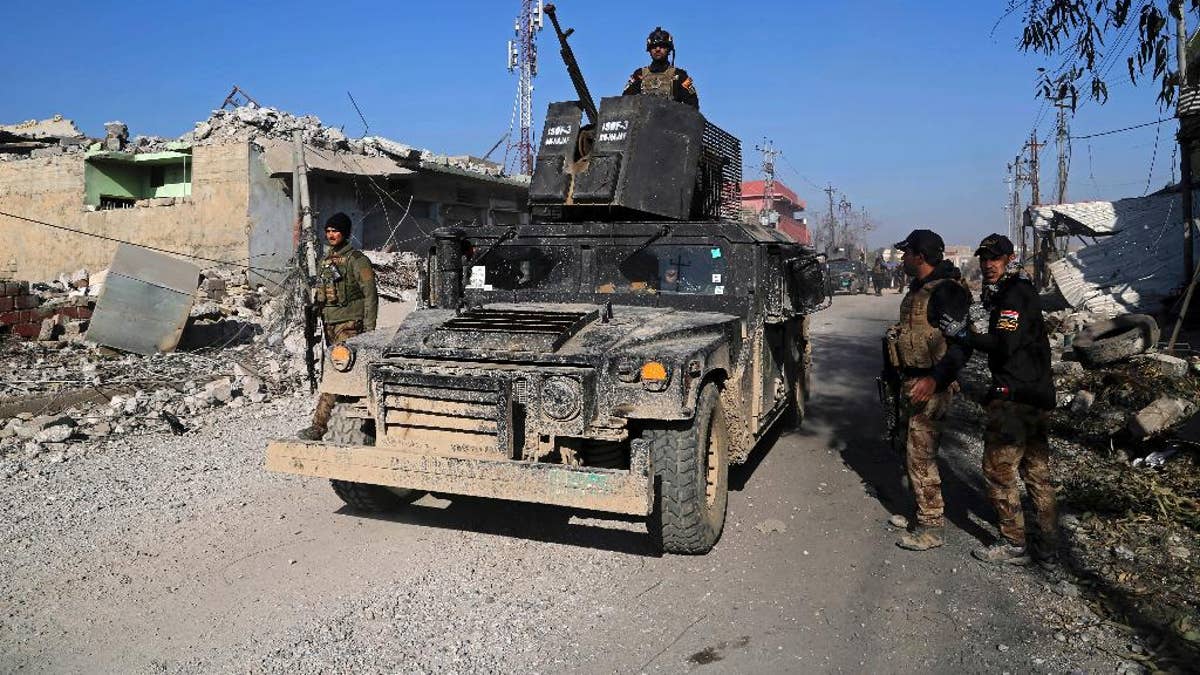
(536, 522)
(845, 401)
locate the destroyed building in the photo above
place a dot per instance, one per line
(223, 191)
(1132, 260)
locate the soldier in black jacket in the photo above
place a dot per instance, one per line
(1021, 394)
(661, 77)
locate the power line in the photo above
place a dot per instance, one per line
(1122, 129)
(133, 243)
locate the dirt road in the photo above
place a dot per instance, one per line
(179, 554)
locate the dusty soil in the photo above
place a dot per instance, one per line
(179, 554)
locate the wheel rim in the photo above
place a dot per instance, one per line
(717, 441)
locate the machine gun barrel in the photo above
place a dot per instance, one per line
(568, 57)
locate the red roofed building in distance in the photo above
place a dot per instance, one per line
(789, 207)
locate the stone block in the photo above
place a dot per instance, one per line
(51, 328)
(6, 304)
(1157, 417)
(1170, 366)
(220, 391)
(1066, 368)
(26, 301)
(1083, 401)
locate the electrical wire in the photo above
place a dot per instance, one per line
(236, 263)
(1121, 130)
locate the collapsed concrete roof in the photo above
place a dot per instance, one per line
(271, 130)
(54, 128)
(1134, 269)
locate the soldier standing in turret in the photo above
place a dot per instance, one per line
(661, 77)
(929, 366)
(348, 300)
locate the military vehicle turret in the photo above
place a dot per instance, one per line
(616, 354)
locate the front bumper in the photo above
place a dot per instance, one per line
(611, 490)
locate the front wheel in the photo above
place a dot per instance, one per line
(691, 472)
(346, 430)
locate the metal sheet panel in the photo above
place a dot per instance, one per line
(145, 302)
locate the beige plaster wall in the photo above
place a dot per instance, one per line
(214, 223)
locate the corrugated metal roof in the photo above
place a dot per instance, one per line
(1136, 268)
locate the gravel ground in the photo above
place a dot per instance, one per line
(157, 553)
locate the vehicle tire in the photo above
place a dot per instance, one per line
(798, 372)
(346, 430)
(1118, 338)
(691, 473)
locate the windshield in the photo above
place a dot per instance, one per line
(661, 268)
(514, 267)
(837, 266)
(664, 268)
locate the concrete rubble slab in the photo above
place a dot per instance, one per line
(145, 302)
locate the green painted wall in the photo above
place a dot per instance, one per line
(131, 179)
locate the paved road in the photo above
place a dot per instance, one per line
(177, 555)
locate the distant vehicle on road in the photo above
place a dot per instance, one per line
(848, 276)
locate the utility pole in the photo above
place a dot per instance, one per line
(832, 243)
(1035, 180)
(1185, 150)
(767, 215)
(1061, 141)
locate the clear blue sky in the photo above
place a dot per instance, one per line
(912, 109)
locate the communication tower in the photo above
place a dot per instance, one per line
(522, 60)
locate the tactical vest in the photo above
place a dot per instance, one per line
(339, 284)
(919, 344)
(658, 84)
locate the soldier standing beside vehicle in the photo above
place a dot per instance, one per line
(928, 365)
(879, 275)
(349, 304)
(661, 77)
(1022, 392)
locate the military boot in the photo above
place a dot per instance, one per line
(320, 419)
(921, 538)
(1002, 552)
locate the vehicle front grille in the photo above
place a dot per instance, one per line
(452, 414)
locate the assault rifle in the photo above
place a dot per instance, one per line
(568, 57)
(889, 383)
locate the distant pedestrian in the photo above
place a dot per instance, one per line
(1022, 391)
(879, 275)
(928, 365)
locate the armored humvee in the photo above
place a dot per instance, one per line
(616, 354)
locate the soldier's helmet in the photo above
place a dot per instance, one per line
(658, 36)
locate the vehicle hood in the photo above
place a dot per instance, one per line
(552, 332)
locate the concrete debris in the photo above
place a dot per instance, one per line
(395, 273)
(1156, 458)
(1169, 366)
(1158, 416)
(1082, 402)
(116, 135)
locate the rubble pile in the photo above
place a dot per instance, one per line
(59, 397)
(396, 273)
(1125, 438)
(42, 312)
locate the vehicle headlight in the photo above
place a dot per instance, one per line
(655, 376)
(562, 398)
(341, 357)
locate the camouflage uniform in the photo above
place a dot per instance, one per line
(349, 306)
(919, 345)
(1015, 441)
(924, 424)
